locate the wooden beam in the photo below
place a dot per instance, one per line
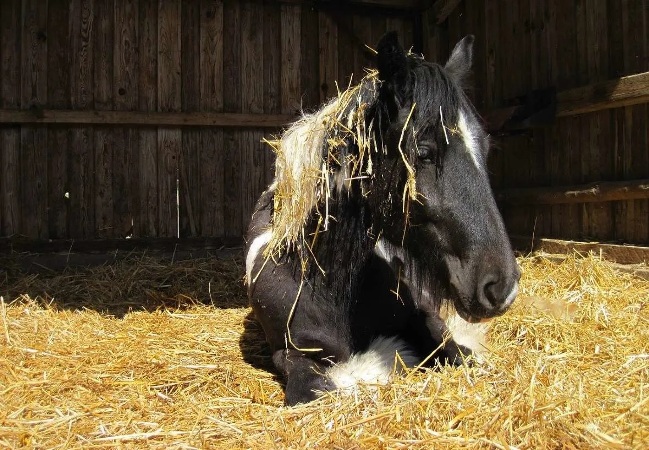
(144, 118)
(400, 4)
(444, 8)
(621, 254)
(625, 91)
(364, 6)
(15, 245)
(585, 193)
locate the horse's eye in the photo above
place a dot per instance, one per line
(426, 150)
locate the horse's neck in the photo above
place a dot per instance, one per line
(346, 243)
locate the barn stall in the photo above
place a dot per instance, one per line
(131, 135)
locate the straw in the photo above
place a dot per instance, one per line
(134, 355)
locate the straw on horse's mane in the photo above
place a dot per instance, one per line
(311, 160)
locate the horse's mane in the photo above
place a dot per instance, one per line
(313, 158)
(326, 150)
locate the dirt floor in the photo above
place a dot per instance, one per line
(162, 352)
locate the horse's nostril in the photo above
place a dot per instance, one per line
(498, 292)
(493, 292)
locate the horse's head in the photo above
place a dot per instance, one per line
(433, 166)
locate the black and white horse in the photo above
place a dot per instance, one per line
(380, 233)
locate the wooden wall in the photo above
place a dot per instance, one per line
(85, 84)
(145, 117)
(526, 45)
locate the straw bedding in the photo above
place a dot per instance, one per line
(149, 353)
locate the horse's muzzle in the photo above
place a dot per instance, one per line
(485, 291)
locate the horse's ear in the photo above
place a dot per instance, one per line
(391, 59)
(459, 64)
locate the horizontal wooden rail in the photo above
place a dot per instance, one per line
(143, 118)
(625, 91)
(586, 193)
(408, 5)
(17, 245)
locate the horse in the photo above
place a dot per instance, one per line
(379, 234)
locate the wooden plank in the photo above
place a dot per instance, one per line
(211, 62)
(164, 119)
(189, 164)
(378, 25)
(101, 247)
(2, 185)
(455, 25)
(273, 75)
(554, 142)
(10, 73)
(537, 77)
(309, 59)
(328, 45)
(590, 192)
(81, 168)
(33, 168)
(146, 223)
(492, 94)
(598, 217)
(363, 28)
(601, 96)
(583, 123)
(58, 96)
(232, 176)
(475, 25)
(102, 149)
(169, 99)
(290, 57)
(252, 94)
(346, 42)
(569, 156)
(621, 254)
(515, 164)
(126, 189)
(492, 30)
(400, 4)
(430, 32)
(211, 199)
(636, 59)
(625, 91)
(616, 69)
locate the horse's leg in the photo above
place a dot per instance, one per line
(319, 333)
(305, 378)
(435, 342)
(319, 329)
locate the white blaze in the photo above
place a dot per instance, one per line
(470, 139)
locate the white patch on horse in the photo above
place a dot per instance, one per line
(470, 139)
(471, 335)
(376, 365)
(253, 251)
